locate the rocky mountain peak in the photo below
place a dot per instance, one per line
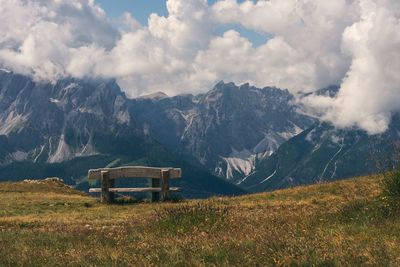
(155, 96)
(225, 129)
(55, 121)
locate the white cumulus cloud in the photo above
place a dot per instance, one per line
(351, 43)
(370, 91)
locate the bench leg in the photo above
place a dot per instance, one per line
(155, 196)
(105, 185)
(165, 185)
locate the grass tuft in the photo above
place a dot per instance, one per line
(200, 216)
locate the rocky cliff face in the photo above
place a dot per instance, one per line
(253, 137)
(227, 129)
(322, 154)
(64, 129)
(55, 122)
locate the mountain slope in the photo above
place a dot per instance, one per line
(46, 122)
(227, 129)
(323, 153)
(65, 128)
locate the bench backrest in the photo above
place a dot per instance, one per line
(135, 172)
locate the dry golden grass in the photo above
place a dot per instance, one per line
(335, 224)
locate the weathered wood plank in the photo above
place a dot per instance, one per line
(105, 187)
(133, 190)
(165, 184)
(134, 172)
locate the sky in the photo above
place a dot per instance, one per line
(187, 46)
(139, 9)
(142, 9)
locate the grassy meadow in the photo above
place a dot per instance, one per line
(345, 223)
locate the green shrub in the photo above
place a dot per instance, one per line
(391, 192)
(391, 184)
(388, 164)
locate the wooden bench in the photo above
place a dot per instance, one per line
(107, 177)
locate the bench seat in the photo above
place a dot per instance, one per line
(160, 178)
(128, 190)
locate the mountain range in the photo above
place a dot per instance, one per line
(226, 129)
(322, 153)
(67, 127)
(230, 140)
